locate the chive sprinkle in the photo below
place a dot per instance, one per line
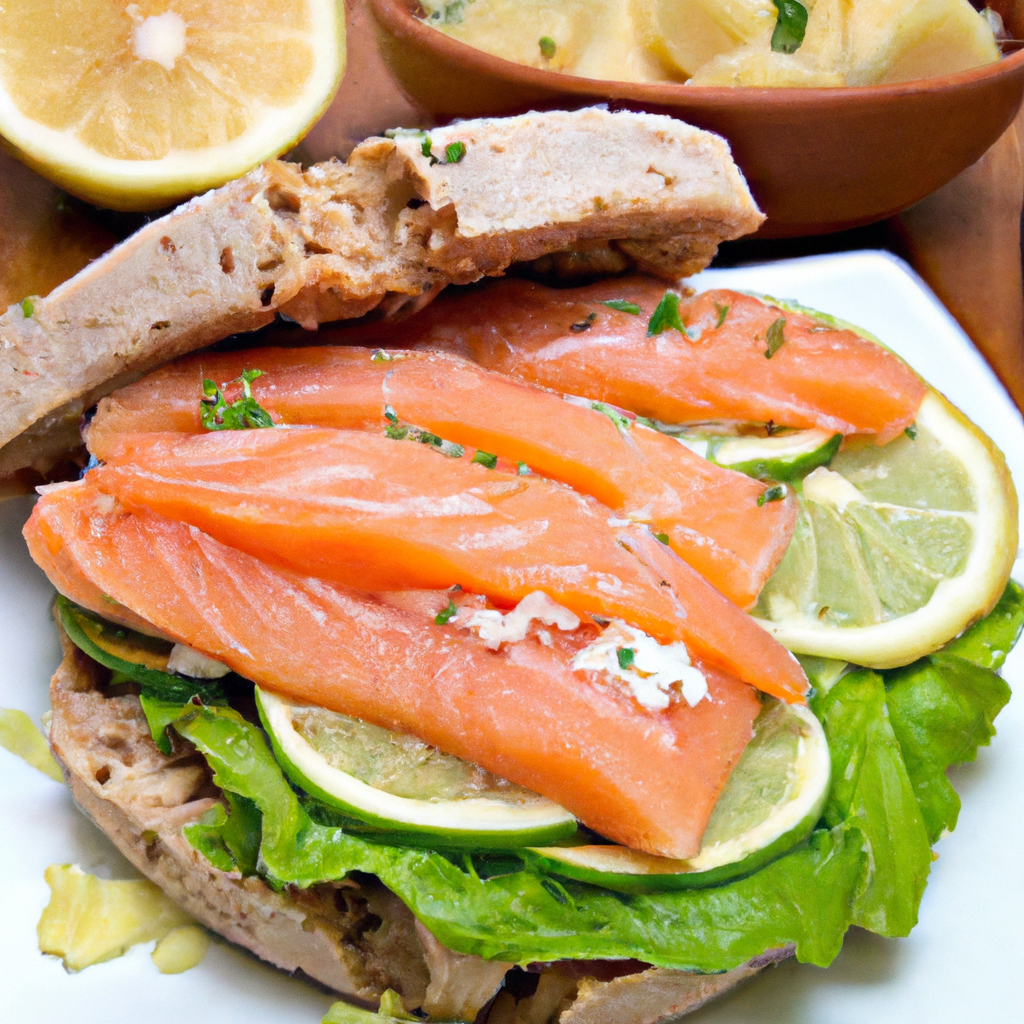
(775, 337)
(485, 459)
(723, 312)
(911, 431)
(547, 47)
(623, 306)
(790, 26)
(442, 617)
(663, 537)
(28, 307)
(454, 152)
(665, 315)
(626, 656)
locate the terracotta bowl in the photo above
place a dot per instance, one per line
(817, 160)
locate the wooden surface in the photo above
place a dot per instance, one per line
(964, 240)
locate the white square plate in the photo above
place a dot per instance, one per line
(961, 963)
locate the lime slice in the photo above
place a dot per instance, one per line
(135, 106)
(897, 548)
(772, 800)
(786, 457)
(396, 782)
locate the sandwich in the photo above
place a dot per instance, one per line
(449, 660)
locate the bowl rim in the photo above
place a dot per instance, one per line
(396, 17)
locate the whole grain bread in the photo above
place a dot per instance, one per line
(403, 218)
(354, 936)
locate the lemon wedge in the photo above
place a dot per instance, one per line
(136, 106)
(898, 548)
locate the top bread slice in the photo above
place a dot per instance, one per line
(403, 218)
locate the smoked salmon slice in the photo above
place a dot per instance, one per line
(645, 778)
(379, 514)
(710, 515)
(568, 340)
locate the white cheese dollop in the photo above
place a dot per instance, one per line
(187, 662)
(655, 670)
(496, 628)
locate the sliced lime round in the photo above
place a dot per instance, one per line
(396, 782)
(772, 800)
(786, 457)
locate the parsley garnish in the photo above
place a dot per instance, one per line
(623, 306)
(442, 617)
(663, 537)
(723, 312)
(790, 26)
(246, 412)
(665, 315)
(454, 152)
(776, 493)
(485, 459)
(626, 656)
(583, 325)
(397, 431)
(911, 431)
(28, 307)
(775, 338)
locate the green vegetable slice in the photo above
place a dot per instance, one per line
(784, 457)
(772, 801)
(396, 782)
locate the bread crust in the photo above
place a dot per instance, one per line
(389, 226)
(355, 936)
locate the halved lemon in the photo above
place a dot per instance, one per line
(898, 548)
(137, 105)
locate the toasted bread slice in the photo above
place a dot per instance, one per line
(355, 937)
(393, 225)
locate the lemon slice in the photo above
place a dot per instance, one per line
(897, 548)
(134, 106)
(772, 800)
(396, 782)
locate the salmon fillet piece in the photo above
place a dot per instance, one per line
(820, 376)
(645, 778)
(710, 515)
(378, 514)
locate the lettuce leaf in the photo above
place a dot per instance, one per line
(871, 788)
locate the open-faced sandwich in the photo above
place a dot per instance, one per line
(535, 654)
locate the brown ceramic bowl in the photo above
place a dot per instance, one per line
(817, 160)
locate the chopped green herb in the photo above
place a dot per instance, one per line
(396, 432)
(522, 469)
(775, 337)
(665, 315)
(454, 152)
(451, 449)
(28, 307)
(622, 422)
(663, 537)
(790, 26)
(380, 356)
(583, 325)
(643, 421)
(425, 437)
(623, 306)
(442, 617)
(911, 431)
(626, 656)
(547, 47)
(486, 459)
(723, 312)
(390, 415)
(776, 493)
(244, 413)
